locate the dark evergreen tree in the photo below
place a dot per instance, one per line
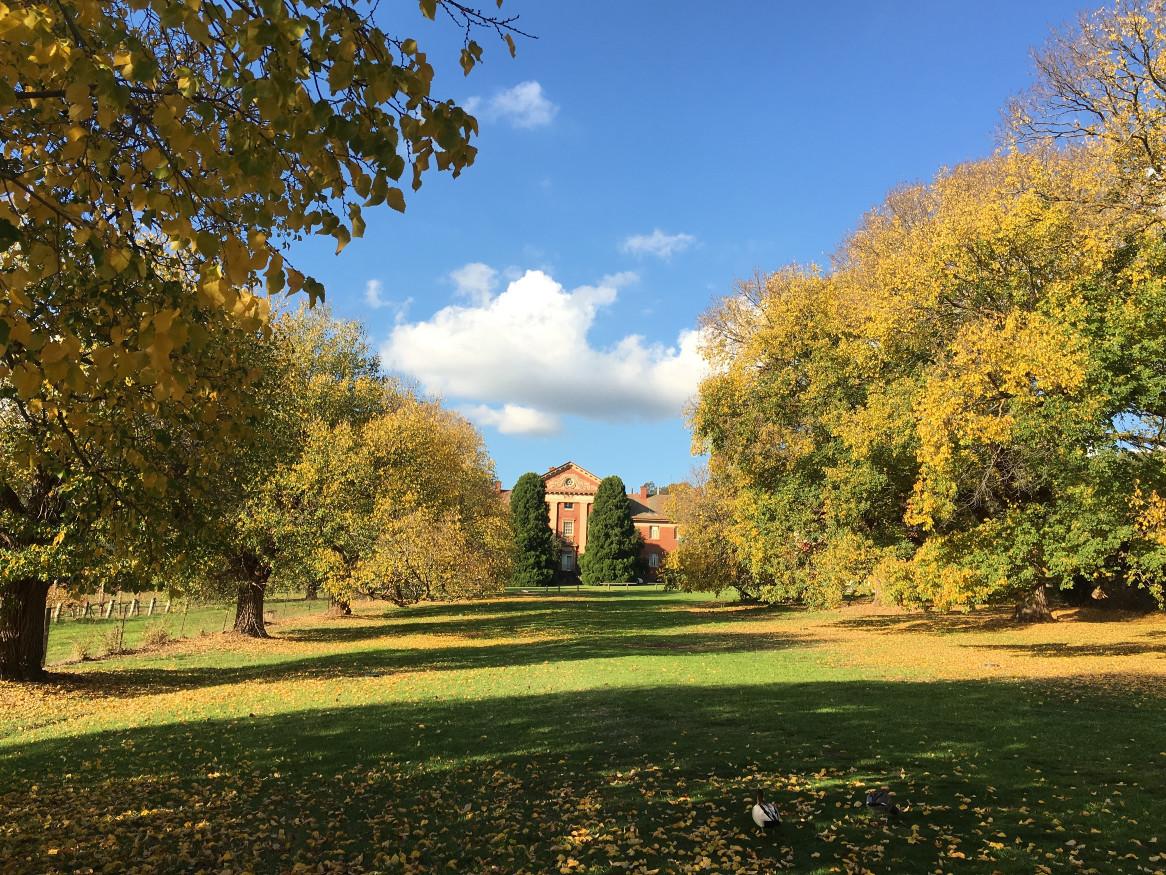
(613, 545)
(534, 556)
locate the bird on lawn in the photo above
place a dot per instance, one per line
(765, 814)
(884, 801)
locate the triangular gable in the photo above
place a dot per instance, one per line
(581, 480)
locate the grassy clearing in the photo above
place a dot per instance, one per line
(71, 639)
(599, 732)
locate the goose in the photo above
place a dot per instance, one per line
(883, 800)
(765, 814)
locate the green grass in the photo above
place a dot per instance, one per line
(69, 637)
(598, 732)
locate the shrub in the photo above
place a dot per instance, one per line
(112, 642)
(83, 649)
(156, 636)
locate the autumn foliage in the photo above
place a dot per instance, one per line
(968, 405)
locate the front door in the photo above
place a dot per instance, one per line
(567, 560)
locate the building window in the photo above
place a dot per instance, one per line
(653, 560)
(570, 481)
(654, 533)
(568, 528)
(568, 505)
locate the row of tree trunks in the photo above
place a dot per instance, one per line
(22, 630)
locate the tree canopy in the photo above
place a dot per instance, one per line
(197, 140)
(968, 406)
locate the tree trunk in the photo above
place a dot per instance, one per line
(249, 610)
(341, 606)
(22, 630)
(1034, 608)
(313, 591)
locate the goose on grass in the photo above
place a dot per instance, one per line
(883, 800)
(765, 814)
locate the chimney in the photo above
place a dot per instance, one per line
(644, 492)
(497, 485)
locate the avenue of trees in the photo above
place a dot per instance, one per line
(156, 425)
(969, 406)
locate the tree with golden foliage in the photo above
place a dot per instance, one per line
(969, 406)
(215, 132)
(409, 507)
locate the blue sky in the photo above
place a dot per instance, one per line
(642, 157)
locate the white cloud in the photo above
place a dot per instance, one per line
(372, 294)
(523, 106)
(621, 279)
(374, 297)
(528, 348)
(657, 243)
(475, 281)
(513, 419)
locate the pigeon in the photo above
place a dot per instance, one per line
(883, 800)
(765, 814)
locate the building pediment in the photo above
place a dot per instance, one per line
(571, 479)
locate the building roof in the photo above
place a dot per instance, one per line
(650, 509)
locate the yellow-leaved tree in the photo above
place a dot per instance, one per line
(212, 132)
(408, 506)
(968, 406)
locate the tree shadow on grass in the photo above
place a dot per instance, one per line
(656, 777)
(946, 623)
(386, 661)
(1062, 649)
(498, 619)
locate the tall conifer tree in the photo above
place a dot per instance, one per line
(613, 545)
(534, 559)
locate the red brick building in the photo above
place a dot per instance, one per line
(570, 498)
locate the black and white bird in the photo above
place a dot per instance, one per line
(765, 814)
(883, 801)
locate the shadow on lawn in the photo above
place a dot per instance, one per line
(341, 784)
(585, 631)
(981, 621)
(589, 613)
(1061, 649)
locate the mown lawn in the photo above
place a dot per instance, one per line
(598, 732)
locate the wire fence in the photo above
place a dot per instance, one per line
(90, 629)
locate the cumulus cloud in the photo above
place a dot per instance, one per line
(475, 281)
(528, 349)
(657, 243)
(523, 106)
(513, 419)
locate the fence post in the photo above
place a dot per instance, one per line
(150, 609)
(109, 609)
(44, 656)
(167, 606)
(57, 612)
